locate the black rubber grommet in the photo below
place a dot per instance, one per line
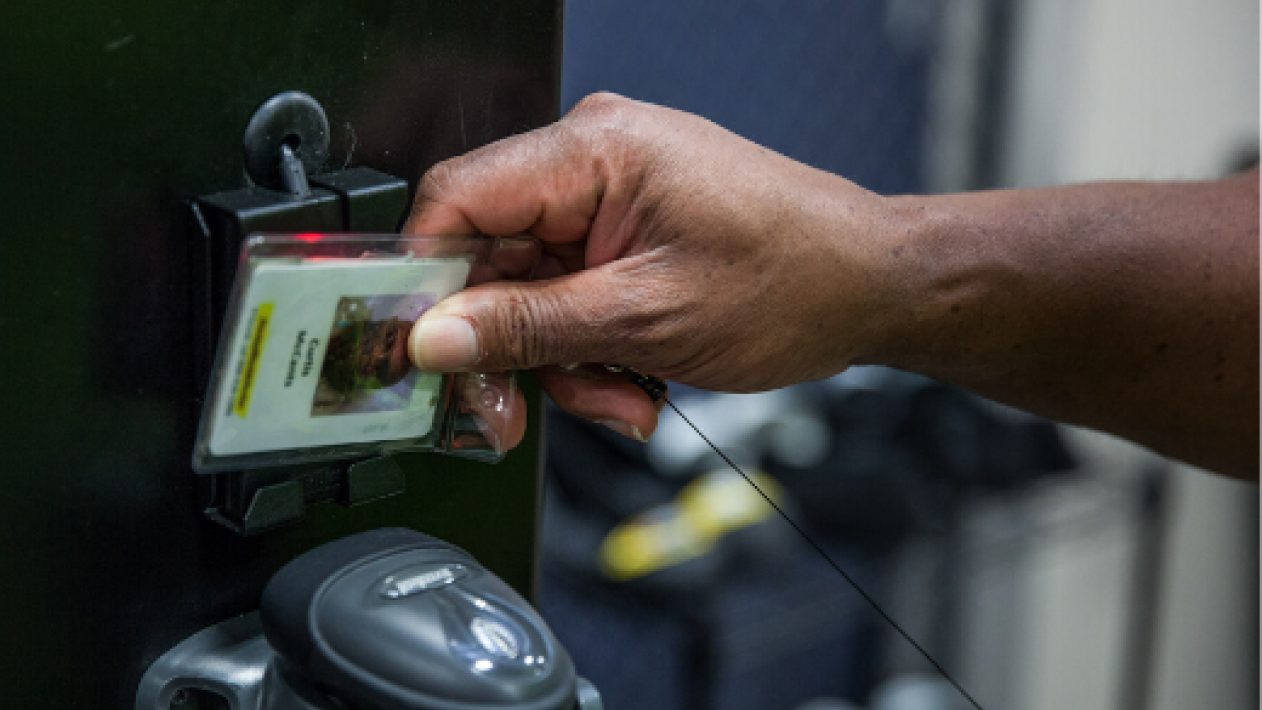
(289, 118)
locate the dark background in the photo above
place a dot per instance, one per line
(113, 115)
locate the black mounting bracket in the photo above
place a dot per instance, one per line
(286, 139)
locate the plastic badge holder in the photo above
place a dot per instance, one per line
(312, 362)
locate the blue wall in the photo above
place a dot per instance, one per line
(826, 82)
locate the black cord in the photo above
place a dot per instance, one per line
(868, 598)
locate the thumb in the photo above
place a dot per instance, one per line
(524, 325)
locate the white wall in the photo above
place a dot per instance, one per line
(1131, 89)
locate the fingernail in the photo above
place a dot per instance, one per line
(444, 344)
(624, 429)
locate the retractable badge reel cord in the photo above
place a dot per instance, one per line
(655, 388)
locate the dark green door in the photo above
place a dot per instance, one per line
(112, 116)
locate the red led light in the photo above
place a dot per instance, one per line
(309, 237)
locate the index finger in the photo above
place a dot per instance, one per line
(543, 183)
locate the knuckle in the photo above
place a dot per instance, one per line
(524, 331)
(599, 103)
(609, 126)
(602, 113)
(436, 181)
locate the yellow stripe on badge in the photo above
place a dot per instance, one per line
(258, 338)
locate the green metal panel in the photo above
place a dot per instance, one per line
(113, 114)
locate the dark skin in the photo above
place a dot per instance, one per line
(1126, 307)
(681, 250)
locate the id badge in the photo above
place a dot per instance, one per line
(312, 362)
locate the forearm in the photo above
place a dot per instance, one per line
(683, 251)
(1128, 307)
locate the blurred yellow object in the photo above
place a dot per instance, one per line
(711, 506)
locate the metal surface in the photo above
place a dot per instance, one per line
(588, 697)
(230, 659)
(231, 662)
(115, 115)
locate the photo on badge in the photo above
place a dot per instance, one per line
(366, 366)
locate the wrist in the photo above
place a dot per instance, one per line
(919, 281)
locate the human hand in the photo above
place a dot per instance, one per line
(670, 246)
